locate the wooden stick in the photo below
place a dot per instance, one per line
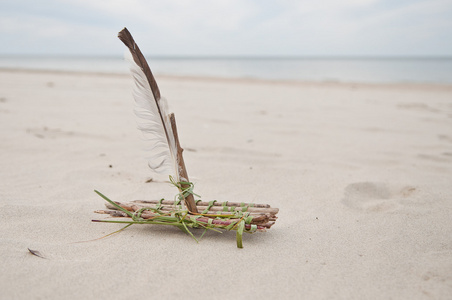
(203, 203)
(272, 211)
(189, 200)
(213, 209)
(133, 208)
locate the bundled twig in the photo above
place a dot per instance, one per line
(241, 217)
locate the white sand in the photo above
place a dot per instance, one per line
(362, 175)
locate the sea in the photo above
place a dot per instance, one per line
(306, 69)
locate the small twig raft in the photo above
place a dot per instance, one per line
(165, 156)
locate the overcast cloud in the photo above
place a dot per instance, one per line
(229, 27)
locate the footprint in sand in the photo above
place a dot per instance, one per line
(375, 196)
(417, 106)
(444, 137)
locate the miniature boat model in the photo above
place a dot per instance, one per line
(165, 156)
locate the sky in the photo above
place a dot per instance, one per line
(228, 27)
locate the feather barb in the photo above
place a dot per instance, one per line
(156, 123)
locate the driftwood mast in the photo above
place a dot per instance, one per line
(125, 36)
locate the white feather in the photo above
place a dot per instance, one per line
(155, 126)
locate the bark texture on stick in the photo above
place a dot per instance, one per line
(213, 209)
(189, 199)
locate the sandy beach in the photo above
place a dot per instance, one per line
(361, 173)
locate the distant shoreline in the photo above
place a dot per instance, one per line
(423, 86)
(363, 70)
